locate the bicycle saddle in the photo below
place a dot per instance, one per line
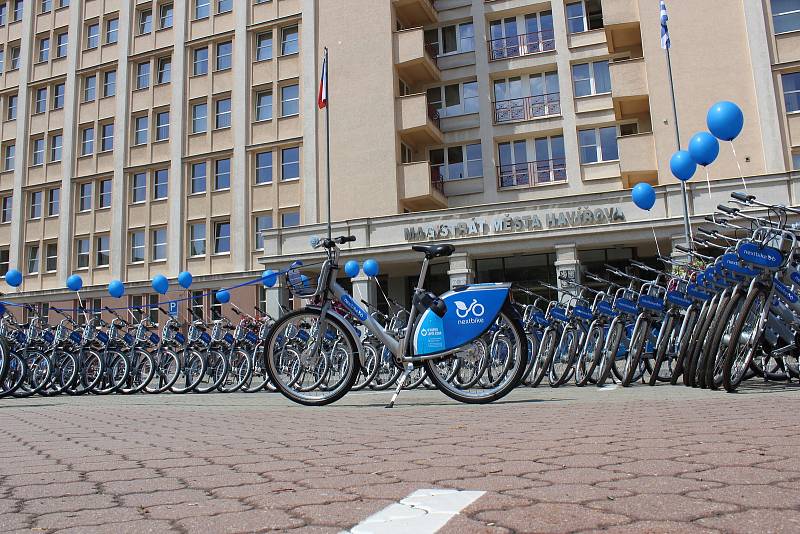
(435, 251)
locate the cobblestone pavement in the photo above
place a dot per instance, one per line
(643, 459)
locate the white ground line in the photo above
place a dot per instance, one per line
(610, 387)
(423, 512)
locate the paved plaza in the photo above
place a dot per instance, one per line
(663, 459)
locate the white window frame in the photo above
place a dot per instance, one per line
(598, 145)
(79, 254)
(133, 246)
(156, 244)
(795, 12)
(592, 78)
(195, 239)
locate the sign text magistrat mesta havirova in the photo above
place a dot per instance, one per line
(504, 224)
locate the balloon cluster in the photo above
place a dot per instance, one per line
(371, 268)
(725, 121)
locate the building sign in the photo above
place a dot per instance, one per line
(507, 224)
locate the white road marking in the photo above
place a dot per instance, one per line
(610, 387)
(423, 512)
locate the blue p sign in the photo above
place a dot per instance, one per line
(173, 308)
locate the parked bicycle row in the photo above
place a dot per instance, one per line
(709, 319)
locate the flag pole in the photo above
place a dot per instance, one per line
(687, 227)
(328, 137)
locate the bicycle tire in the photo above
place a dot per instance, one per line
(592, 350)
(613, 339)
(547, 349)
(732, 378)
(143, 369)
(639, 337)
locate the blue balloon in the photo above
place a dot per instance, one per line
(725, 120)
(644, 196)
(269, 278)
(14, 278)
(185, 279)
(74, 283)
(371, 268)
(223, 296)
(351, 268)
(682, 165)
(704, 148)
(160, 284)
(116, 289)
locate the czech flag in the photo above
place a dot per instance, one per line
(322, 100)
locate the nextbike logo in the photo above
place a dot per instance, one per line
(464, 311)
(348, 301)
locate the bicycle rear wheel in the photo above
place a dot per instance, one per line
(744, 338)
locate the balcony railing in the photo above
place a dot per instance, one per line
(433, 115)
(527, 108)
(522, 45)
(432, 49)
(532, 173)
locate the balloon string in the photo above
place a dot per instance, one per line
(741, 174)
(658, 249)
(708, 184)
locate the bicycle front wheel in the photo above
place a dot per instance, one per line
(297, 365)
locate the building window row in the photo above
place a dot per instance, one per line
(141, 127)
(32, 255)
(52, 44)
(102, 136)
(94, 195)
(199, 174)
(36, 207)
(83, 251)
(138, 247)
(289, 165)
(54, 149)
(101, 32)
(157, 180)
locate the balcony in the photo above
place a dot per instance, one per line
(629, 89)
(414, 13)
(415, 60)
(637, 157)
(417, 121)
(621, 12)
(527, 108)
(532, 173)
(419, 189)
(521, 45)
(621, 23)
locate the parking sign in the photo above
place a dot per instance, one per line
(173, 308)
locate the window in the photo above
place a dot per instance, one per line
(87, 141)
(200, 61)
(92, 36)
(47, 5)
(8, 157)
(2, 59)
(140, 127)
(89, 88)
(290, 100)
(82, 253)
(785, 15)
(5, 261)
(456, 99)
(289, 44)
(37, 154)
(224, 53)
(44, 49)
(18, 8)
(290, 218)
(199, 116)
(222, 237)
(201, 9)
(262, 222)
(222, 174)
(791, 91)
(53, 201)
(56, 146)
(162, 125)
(63, 3)
(598, 144)
(164, 74)
(514, 165)
(197, 239)
(159, 244)
(40, 104)
(591, 78)
(58, 96)
(160, 184)
(796, 161)
(35, 211)
(222, 117)
(33, 259)
(11, 107)
(137, 246)
(216, 308)
(145, 21)
(103, 250)
(62, 41)
(85, 197)
(584, 15)
(3, 10)
(290, 163)
(224, 6)
(198, 178)
(112, 31)
(457, 162)
(456, 39)
(110, 83)
(5, 210)
(165, 16)
(264, 106)
(107, 137)
(138, 187)
(14, 57)
(197, 303)
(550, 164)
(143, 75)
(264, 46)
(264, 168)
(104, 194)
(51, 257)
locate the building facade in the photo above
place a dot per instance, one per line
(151, 137)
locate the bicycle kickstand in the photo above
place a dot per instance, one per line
(400, 382)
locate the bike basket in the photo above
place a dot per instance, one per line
(20, 336)
(205, 337)
(180, 339)
(301, 281)
(49, 337)
(251, 337)
(582, 312)
(227, 338)
(75, 336)
(154, 339)
(560, 314)
(127, 338)
(102, 337)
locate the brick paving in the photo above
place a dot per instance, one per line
(643, 459)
